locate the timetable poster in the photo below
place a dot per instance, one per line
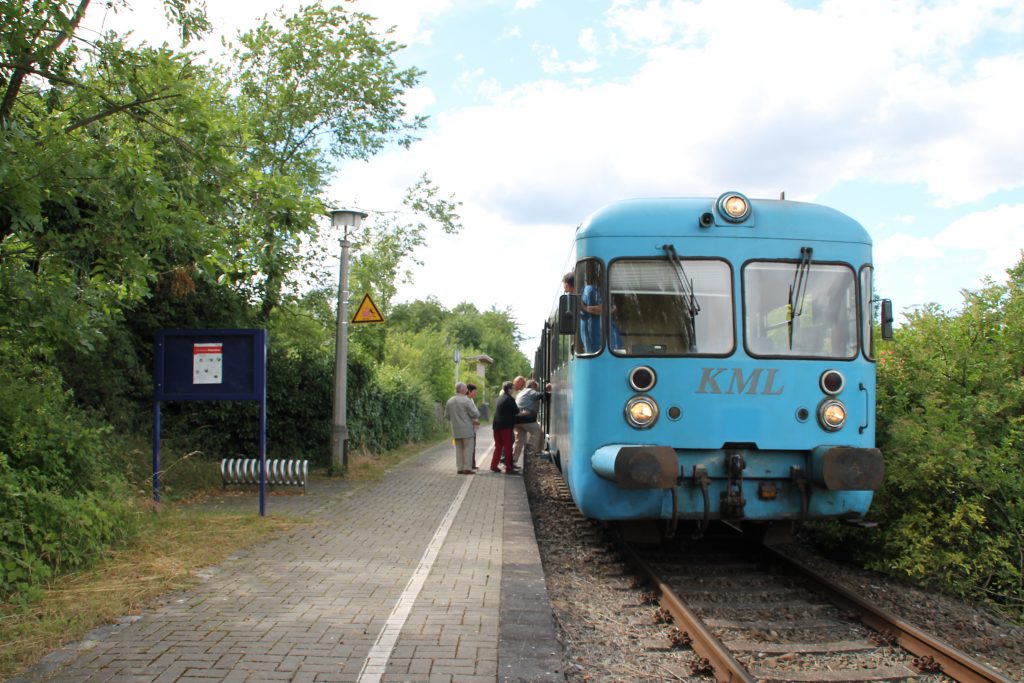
(207, 363)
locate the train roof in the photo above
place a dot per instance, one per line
(769, 219)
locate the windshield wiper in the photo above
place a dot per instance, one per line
(798, 290)
(685, 283)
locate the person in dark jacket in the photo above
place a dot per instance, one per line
(503, 425)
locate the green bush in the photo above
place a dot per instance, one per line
(386, 409)
(61, 501)
(951, 427)
(300, 401)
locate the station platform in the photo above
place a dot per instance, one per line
(425, 575)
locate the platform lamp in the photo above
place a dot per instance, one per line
(343, 218)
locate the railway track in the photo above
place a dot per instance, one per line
(766, 618)
(772, 619)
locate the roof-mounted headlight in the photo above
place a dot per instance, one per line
(733, 207)
(641, 412)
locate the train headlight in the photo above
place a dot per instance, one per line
(831, 414)
(641, 412)
(831, 382)
(734, 207)
(642, 378)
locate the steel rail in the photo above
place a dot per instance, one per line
(705, 643)
(954, 663)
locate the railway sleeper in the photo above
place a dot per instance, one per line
(805, 648)
(880, 673)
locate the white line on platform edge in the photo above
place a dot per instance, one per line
(380, 653)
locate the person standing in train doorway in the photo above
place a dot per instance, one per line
(529, 436)
(471, 392)
(590, 307)
(464, 417)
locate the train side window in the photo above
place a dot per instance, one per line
(867, 310)
(589, 307)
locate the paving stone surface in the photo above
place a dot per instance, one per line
(425, 576)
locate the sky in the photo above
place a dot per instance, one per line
(905, 115)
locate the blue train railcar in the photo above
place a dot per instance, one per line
(713, 359)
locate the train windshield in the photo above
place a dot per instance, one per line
(674, 308)
(800, 309)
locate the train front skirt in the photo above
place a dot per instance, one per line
(651, 481)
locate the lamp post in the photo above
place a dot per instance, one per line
(343, 218)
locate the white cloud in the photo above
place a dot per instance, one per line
(476, 84)
(881, 89)
(588, 41)
(419, 101)
(998, 233)
(899, 248)
(550, 63)
(991, 239)
(407, 16)
(852, 89)
(938, 268)
(728, 105)
(548, 59)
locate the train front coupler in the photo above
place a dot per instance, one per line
(731, 500)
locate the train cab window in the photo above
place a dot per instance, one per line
(811, 314)
(659, 307)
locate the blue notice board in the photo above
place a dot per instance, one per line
(211, 365)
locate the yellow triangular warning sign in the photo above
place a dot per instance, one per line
(367, 312)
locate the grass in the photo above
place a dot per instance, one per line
(363, 466)
(165, 556)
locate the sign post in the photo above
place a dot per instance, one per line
(210, 365)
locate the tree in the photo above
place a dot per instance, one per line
(426, 356)
(100, 200)
(386, 245)
(385, 251)
(322, 87)
(139, 190)
(76, 144)
(493, 333)
(39, 42)
(422, 314)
